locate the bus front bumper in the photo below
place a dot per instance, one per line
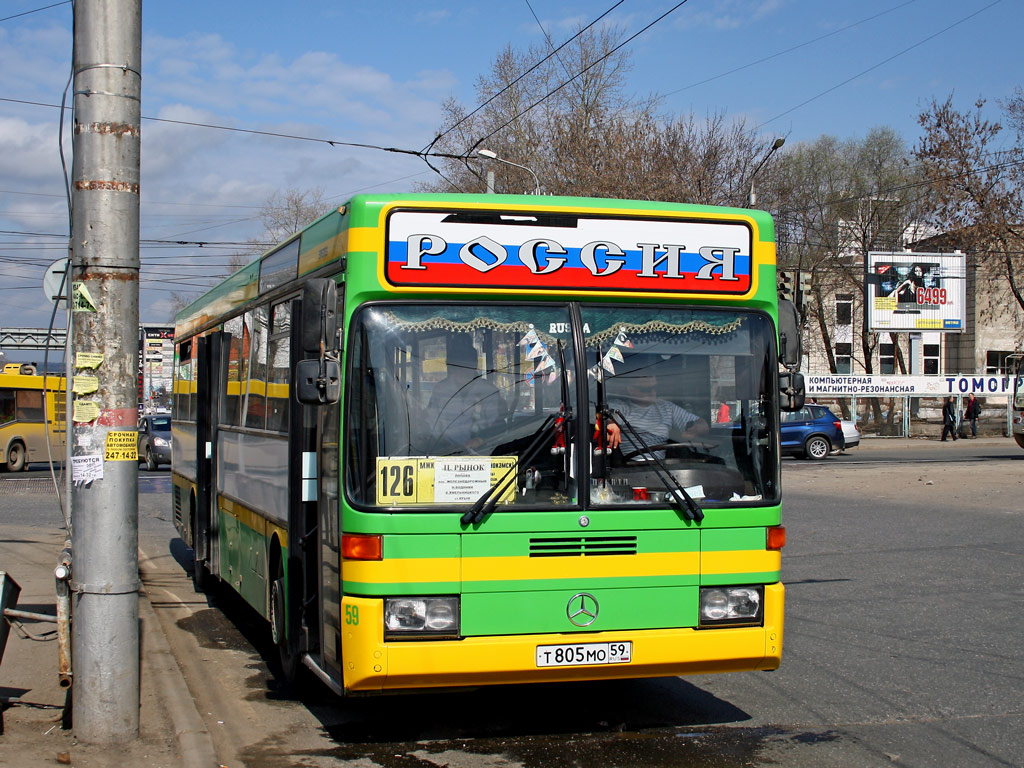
(372, 664)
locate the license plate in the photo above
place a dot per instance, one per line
(577, 654)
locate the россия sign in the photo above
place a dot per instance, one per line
(849, 385)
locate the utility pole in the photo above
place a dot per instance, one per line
(107, 65)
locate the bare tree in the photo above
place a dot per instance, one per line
(978, 190)
(582, 135)
(285, 213)
(282, 215)
(842, 200)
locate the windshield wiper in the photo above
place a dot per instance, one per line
(691, 509)
(486, 503)
(552, 425)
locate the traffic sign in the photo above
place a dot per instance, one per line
(54, 285)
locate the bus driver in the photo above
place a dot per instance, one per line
(654, 419)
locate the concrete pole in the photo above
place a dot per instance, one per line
(105, 245)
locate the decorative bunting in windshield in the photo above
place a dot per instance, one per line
(538, 351)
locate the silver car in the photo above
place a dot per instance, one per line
(155, 441)
(851, 434)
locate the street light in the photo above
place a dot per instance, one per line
(775, 146)
(491, 155)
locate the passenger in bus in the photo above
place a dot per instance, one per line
(655, 419)
(464, 407)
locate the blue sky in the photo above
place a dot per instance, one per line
(377, 74)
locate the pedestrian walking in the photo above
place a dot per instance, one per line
(949, 419)
(972, 412)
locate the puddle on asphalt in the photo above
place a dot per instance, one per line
(717, 747)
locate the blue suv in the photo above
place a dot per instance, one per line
(812, 432)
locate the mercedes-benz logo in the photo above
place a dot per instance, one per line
(582, 609)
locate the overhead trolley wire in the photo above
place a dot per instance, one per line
(583, 71)
(37, 10)
(796, 47)
(524, 74)
(879, 64)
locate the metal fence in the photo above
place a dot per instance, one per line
(900, 416)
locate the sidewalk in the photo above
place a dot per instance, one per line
(171, 734)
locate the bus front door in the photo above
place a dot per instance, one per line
(329, 459)
(205, 544)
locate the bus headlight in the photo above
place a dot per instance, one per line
(421, 616)
(731, 605)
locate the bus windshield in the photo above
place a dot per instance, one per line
(686, 396)
(450, 402)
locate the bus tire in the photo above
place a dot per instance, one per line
(817, 447)
(200, 573)
(16, 457)
(288, 662)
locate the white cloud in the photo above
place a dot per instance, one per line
(729, 14)
(202, 183)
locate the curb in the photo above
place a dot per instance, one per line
(193, 738)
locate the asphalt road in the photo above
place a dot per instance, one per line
(905, 607)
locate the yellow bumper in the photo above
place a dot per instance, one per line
(371, 664)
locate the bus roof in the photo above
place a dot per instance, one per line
(326, 239)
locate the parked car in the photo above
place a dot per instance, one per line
(851, 434)
(155, 440)
(812, 432)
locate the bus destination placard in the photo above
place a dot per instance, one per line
(426, 248)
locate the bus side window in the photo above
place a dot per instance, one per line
(6, 406)
(183, 376)
(30, 406)
(235, 374)
(256, 391)
(279, 367)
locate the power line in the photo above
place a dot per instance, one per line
(903, 187)
(583, 71)
(272, 134)
(524, 74)
(787, 50)
(37, 10)
(147, 241)
(879, 64)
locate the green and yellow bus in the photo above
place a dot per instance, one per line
(31, 413)
(1015, 364)
(457, 440)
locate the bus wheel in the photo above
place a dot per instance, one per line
(289, 662)
(200, 573)
(16, 458)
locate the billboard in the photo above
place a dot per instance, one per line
(916, 291)
(156, 367)
(873, 385)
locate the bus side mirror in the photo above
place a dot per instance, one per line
(789, 334)
(318, 382)
(318, 379)
(319, 316)
(791, 391)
